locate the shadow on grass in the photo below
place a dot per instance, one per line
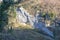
(24, 34)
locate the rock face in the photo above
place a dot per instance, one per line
(21, 16)
(24, 17)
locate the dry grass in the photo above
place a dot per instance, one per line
(32, 6)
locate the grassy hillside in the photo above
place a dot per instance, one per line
(32, 6)
(19, 31)
(52, 7)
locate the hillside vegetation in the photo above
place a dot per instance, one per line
(10, 29)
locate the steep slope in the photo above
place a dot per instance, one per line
(33, 6)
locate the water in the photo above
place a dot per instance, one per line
(24, 17)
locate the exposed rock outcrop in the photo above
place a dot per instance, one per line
(24, 17)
